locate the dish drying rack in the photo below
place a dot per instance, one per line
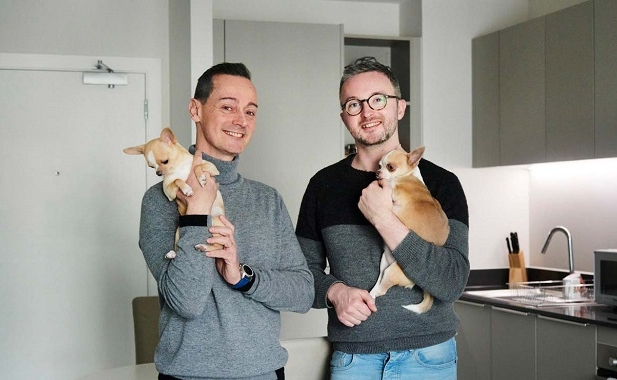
(545, 293)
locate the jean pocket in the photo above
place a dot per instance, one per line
(341, 360)
(438, 356)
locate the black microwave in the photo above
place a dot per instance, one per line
(605, 276)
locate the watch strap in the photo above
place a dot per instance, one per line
(246, 282)
(242, 283)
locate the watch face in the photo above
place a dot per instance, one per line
(247, 270)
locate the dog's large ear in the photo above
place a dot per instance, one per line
(415, 155)
(167, 136)
(134, 150)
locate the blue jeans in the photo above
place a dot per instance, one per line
(437, 362)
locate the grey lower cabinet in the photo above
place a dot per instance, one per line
(501, 344)
(565, 350)
(473, 341)
(513, 338)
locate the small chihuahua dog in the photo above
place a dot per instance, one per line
(173, 162)
(418, 210)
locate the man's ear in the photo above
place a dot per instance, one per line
(194, 110)
(402, 106)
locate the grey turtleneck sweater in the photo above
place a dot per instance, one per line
(208, 330)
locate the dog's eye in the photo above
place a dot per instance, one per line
(390, 167)
(165, 162)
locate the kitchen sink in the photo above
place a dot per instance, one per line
(540, 294)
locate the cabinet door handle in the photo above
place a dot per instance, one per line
(510, 311)
(471, 303)
(581, 324)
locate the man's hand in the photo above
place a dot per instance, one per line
(200, 203)
(376, 206)
(353, 306)
(376, 201)
(226, 258)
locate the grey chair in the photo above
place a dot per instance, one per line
(309, 358)
(146, 311)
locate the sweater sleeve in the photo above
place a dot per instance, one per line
(184, 282)
(308, 234)
(288, 285)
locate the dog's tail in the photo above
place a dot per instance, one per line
(422, 307)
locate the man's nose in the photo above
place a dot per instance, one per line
(241, 119)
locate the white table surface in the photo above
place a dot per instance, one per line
(131, 372)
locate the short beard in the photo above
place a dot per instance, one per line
(384, 137)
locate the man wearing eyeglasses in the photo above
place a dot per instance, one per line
(346, 218)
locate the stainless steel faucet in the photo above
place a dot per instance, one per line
(569, 236)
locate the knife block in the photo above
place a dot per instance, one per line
(518, 272)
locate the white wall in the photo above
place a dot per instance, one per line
(581, 196)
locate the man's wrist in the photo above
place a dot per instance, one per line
(247, 278)
(330, 293)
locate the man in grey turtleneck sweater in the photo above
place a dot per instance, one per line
(220, 316)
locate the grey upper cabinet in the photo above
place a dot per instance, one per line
(569, 84)
(485, 112)
(605, 12)
(557, 88)
(521, 92)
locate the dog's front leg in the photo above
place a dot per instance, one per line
(386, 260)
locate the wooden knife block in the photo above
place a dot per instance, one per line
(518, 272)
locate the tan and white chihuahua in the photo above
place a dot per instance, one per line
(173, 162)
(417, 209)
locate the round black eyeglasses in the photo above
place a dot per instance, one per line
(376, 102)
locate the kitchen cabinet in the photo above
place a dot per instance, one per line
(485, 111)
(556, 86)
(500, 343)
(513, 352)
(521, 93)
(569, 84)
(605, 112)
(473, 341)
(565, 350)
(402, 55)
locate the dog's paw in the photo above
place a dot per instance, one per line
(208, 247)
(202, 247)
(203, 179)
(170, 255)
(187, 190)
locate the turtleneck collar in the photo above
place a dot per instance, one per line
(228, 169)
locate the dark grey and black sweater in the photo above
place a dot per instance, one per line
(332, 230)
